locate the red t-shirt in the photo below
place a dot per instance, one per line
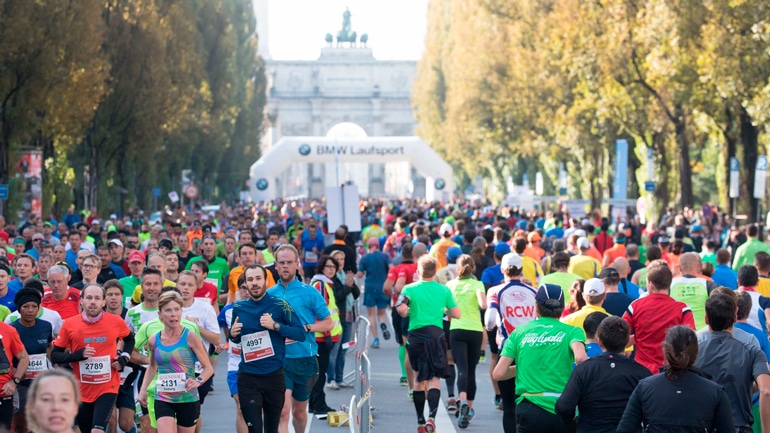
(12, 345)
(209, 291)
(67, 307)
(97, 377)
(406, 270)
(650, 318)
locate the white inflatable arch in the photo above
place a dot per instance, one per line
(372, 150)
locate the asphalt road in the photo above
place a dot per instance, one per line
(393, 411)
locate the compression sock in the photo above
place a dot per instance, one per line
(419, 406)
(450, 381)
(402, 359)
(434, 397)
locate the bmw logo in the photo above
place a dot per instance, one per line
(304, 149)
(262, 184)
(439, 183)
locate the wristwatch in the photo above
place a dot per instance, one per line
(16, 380)
(276, 326)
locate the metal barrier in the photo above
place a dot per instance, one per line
(360, 410)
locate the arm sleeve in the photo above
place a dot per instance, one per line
(128, 342)
(236, 339)
(58, 356)
(568, 401)
(632, 417)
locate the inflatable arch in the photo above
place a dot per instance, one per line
(288, 150)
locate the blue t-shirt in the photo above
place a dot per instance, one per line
(628, 288)
(310, 258)
(309, 306)
(7, 300)
(35, 338)
(593, 349)
(376, 267)
(119, 272)
(761, 336)
(725, 276)
(71, 258)
(492, 276)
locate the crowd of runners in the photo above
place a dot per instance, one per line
(589, 324)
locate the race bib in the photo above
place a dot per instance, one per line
(257, 346)
(311, 257)
(37, 364)
(95, 370)
(235, 349)
(125, 373)
(171, 383)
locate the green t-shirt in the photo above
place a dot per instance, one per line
(745, 253)
(708, 257)
(465, 295)
(427, 302)
(269, 258)
(693, 292)
(533, 343)
(561, 279)
(129, 283)
(217, 270)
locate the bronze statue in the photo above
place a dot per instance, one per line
(346, 34)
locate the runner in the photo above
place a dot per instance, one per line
(594, 295)
(36, 336)
(207, 289)
(375, 265)
(157, 262)
(173, 354)
(510, 305)
(225, 319)
(125, 406)
(92, 343)
(466, 334)
(584, 265)
(89, 266)
(63, 299)
(262, 380)
(217, 266)
(135, 265)
(538, 385)
(438, 250)
(52, 402)
(23, 268)
(401, 276)
(425, 302)
(247, 256)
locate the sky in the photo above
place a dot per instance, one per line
(296, 28)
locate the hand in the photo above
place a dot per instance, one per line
(143, 397)
(235, 330)
(349, 278)
(387, 292)
(266, 321)
(89, 351)
(219, 348)
(9, 388)
(116, 365)
(192, 384)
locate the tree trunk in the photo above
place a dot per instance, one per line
(662, 193)
(749, 138)
(685, 170)
(730, 151)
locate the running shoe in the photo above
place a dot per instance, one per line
(463, 419)
(385, 332)
(344, 385)
(430, 426)
(410, 393)
(421, 429)
(332, 385)
(499, 403)
(325, 409)
(375, 343)
(451, 405)
(403, 382)
(483, 356)
(471, 414)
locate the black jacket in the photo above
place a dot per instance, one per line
(692, 403)
(341, 292)
(600, 388)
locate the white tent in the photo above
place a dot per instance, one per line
(288, 150)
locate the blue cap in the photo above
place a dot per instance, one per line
(453, 253)
(550, 296)
(502, 249)
(229, 228)
(696, 228)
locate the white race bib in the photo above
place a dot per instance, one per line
(257, 346)
(37, 364)
(95, 370)
(235, 349)
(311, 257)
(171, 383)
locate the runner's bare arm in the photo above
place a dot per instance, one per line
(503, 369)
(454, 312)
(579, 350)
(149, 374)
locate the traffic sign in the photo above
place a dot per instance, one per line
(156, 192)
(649, 186)
(760, 177)
(173, 196)
(4, 191)
(191, 191)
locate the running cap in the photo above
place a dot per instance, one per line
(511, 260)
(583, 243)
(550, 296)
(533, 236)
(445, 228)
(116, 242)
(594, 287)
(502, 249)
(136, 256)
(453, 253)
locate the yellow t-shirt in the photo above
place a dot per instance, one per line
(763, 288)
(584, 266)
(531, 269)
(579, 317)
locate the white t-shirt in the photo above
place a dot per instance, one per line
(138, 316)
(203, 315)
(49, 316)
(234, 350)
